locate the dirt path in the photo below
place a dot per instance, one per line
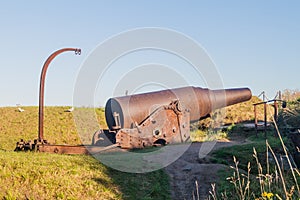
(194, 166)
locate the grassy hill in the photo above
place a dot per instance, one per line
(59, 126)
(49, 176)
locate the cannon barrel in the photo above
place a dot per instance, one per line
(134, 109)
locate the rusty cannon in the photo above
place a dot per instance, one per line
(162, 117)
(141, 120)
(149, 119)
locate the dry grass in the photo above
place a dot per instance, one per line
(206, 135)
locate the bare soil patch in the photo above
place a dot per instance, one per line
(193, 166)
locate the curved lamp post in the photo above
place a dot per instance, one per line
(42, 85)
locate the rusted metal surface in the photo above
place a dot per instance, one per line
(101, 145)
(29, 145)
(78, 149)
(164, 117)
(61, 149)
(165, 125)
(104, 138)
(199, 101)
(42, 86)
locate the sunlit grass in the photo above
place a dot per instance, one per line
(206, 135)
(59, 126)
(50, 176)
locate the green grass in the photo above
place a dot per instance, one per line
(59, 126)
(244, 155)
(50, 176)
(253, 173)
(244, 152)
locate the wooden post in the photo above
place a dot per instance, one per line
(275, 110)
(255, 120)
(265, 113)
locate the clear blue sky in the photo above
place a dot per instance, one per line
(254, 44)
